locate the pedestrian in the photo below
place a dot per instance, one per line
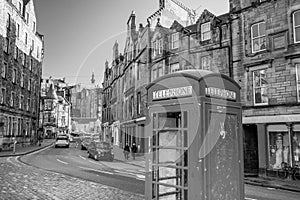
(133, 150)
(126, 151)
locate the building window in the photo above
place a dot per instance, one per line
(32, 45)
(160, 71)
(26, 38)
(29, 84)
(28, 104)
(21, 102)
(139, 101)
(175, 40)
(20, 7)
(6, 45)
(154, 74)
(3, 70)
(296, 26)
(205, 31)
(298, 81)
(24, 59)
(12, 99)
(155, 48)
(160, 46)
(258, 37)
(260, 87)
(27, 17)
(174, 67)
(33, 27)
(16, 53)
(18, 31)
(14, 74)
(2, 95)
(8, 21)
(22, 80)
(205, 63)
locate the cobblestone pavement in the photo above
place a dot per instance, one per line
(20, 181)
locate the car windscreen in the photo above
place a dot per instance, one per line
(62, 138)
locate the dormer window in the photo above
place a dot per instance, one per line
(205, 31)
(175, 40)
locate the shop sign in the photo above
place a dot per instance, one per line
(220, 93)
(173, 92)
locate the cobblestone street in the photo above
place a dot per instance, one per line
(19, 181)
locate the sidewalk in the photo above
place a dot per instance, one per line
(277, 183)
(26, 149)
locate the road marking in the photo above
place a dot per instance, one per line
(95, 163)
(247, 198)
(91, 169)
(269, 188)
(82, 157)
(62, 161)
(11, 162)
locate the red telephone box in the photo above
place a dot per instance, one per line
(194, 138)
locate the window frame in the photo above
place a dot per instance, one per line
(175, 40)
(4, 70)
(203, 31)
(3, 95)
(14, 75)
(294, 28)
(206, 59)
(258, 37)
(174, 64)
(254, 87)
(297, 66)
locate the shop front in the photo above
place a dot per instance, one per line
(194, 138)
(278, 142)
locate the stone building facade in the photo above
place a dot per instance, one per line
(269, 75)
(21, 56)
(256, 43)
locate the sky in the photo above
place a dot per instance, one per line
(79, 34)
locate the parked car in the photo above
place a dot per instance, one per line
(85, 141)
(100, 150)
(62, 141)
(74, 137)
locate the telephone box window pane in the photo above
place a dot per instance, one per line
(184, 119)
(185, 158)
(185, 178)
(170, 156)
(167, 192)
(185, 194)
(154, 138)
(170, 176)
(169, 120)
(153, 190)
(170, 139)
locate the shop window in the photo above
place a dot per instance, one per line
(205, 31)
(258, 37)
(298, 81)
(296, 144)
(279, 146)
(260, 87)
(296, 26)
(175, 40)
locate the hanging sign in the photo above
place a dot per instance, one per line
(173, 92)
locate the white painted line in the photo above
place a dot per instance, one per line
(11, 162)
(247, 198)
(62, 161)
(105, 172)
(82, 157)
(141, 176)
(271, 188)
(95, 162)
